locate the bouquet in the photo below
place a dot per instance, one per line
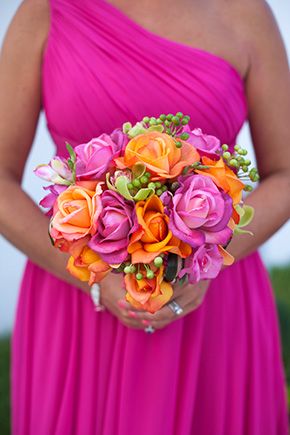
(155, 201)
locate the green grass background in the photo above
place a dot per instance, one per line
(281, 283)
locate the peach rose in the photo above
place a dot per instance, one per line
(153, 236)
(88, 266)
(76, 213)
(223, 177)
(158, 152)
(148, 294)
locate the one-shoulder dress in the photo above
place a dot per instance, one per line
(216, 371)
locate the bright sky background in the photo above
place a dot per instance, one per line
(275, 251)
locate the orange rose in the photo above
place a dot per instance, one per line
(76, 213)
(223, 177)
(153, 236)
(158, 152)
(148, 294)
(88, 266)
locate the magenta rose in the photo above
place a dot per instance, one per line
(205, 144)
(93, 159)
(205, 262)
(116, 223)
(200, 212)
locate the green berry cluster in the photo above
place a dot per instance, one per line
(139, 182)
(240, 164)
(147, 273)
(173, 125)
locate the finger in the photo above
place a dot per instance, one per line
(163, 315)
(124, 305)
(130, 323)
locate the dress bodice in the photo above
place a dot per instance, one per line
(101, 69)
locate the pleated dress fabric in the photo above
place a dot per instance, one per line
(217, 371)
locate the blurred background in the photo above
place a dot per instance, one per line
(276, 252)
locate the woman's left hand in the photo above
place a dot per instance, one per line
(189, 297)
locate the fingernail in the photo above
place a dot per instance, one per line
(132, 314)
(145, 322)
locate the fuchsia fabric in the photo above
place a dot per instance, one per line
(217, 371)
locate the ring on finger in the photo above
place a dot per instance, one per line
(175, 308)
(149, 329)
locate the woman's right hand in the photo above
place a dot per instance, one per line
(113, 298)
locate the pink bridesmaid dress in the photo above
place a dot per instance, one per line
(217, 371)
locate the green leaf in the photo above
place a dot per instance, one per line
(138, 170)
(136, 130)
(71, 164)
(246, 215)
(143, 193)
(71, 152)
(171, 268)
(157, 127)
(121, 184)
(238, 231)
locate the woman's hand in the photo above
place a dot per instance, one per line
(188, 296)
(113, 298)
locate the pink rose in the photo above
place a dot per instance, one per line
(205, 144)
(93, 159)
(204, 263)
(200, 212)
(115, 224)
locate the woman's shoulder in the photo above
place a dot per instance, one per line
(31, 21)
(254, 29)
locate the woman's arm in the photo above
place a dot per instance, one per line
(268, 96)
(21, 221)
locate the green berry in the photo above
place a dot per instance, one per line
(184, 136)
(179, 114)
(162, 117)
(167, 123)
(164, 188)
(248, 188)
(151, 185)
(178, 144)
(158, 261)
(150, 274)
(169, 117)
(236, 147)
(227, 155)
(158, 184)
(159, 192)
(127, 269)
(147, 174)
(247, 162)
(176, 120)
(144, 179)
(225, 147)
(234, 162)
(245, 168)
(146, 119)
(136, 182)
(139, 276)
(130, 186)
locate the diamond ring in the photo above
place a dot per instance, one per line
(149, 329)
(175, 308)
